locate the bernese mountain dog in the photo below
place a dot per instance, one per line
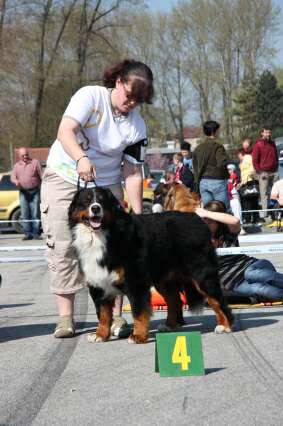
(121, 253)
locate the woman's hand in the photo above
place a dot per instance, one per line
(86, 170)
(201, 212)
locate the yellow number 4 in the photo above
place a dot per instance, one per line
(180, 354)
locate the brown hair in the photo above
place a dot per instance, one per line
(240, 151)
(265, 127)
(142, 86)
(178, 156)
(215, 206)
(250, 149)
(219, 207)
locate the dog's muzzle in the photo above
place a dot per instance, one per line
(95, 215)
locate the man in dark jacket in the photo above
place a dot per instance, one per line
(209, 164)
(265, 162)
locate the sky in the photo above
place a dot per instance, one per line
(166, 5)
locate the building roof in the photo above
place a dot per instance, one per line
(39, 154)
(192, 132)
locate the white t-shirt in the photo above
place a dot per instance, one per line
(102, 137)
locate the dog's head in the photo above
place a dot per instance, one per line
(95, 208)
(180, 198)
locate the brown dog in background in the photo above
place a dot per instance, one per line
(180, 198)
(174, 196)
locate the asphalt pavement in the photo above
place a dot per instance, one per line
(47, 381)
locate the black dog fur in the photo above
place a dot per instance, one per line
(131, 253)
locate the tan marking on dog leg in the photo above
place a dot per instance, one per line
(103, 330)
(223, 323)
(222, 320)
(141, 327)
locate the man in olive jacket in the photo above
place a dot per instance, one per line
(209, 164)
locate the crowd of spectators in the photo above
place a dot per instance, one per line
(248, 185)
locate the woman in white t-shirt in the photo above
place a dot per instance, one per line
(100, 129)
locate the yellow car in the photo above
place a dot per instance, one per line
(9, 202)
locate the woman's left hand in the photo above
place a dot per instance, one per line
(201, 212)
(86, 170)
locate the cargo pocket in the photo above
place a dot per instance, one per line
(44, 219)
(50, 255)
(64, 268)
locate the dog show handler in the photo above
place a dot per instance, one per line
(101, 129)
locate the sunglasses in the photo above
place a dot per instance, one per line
(130, 97)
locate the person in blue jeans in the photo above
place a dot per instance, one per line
(242, 274)
(29, 202)
(210, 166)
(26, 175)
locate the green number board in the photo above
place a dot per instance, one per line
(179, 354)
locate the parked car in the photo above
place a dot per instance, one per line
(9, 202)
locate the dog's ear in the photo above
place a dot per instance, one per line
(74, 202)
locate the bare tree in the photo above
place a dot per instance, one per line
(2, 17)
(194, 17)
(173, 82)
(44, 65)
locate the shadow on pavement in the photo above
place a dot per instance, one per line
(207, 324)
(252, 229)
(23, 331)
(16, 305)
(204, 324)
(213, 370)
(32, 330)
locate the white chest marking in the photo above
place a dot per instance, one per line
(91, 247)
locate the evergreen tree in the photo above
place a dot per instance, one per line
(269, 102)
(245, 108)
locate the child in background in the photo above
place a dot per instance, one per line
(233, 194)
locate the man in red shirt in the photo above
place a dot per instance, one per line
(26, 175)
(265, 162)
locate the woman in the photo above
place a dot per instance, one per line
(182, 173)
(247, 146)
(100, 129)
(240, 273)
(248, 188)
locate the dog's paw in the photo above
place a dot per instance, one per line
(136, 339)
(163, 328)
(219, 329)
(93, 338)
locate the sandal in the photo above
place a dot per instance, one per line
(65, 327)
(120, 328)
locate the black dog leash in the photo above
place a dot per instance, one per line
(85, 183)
